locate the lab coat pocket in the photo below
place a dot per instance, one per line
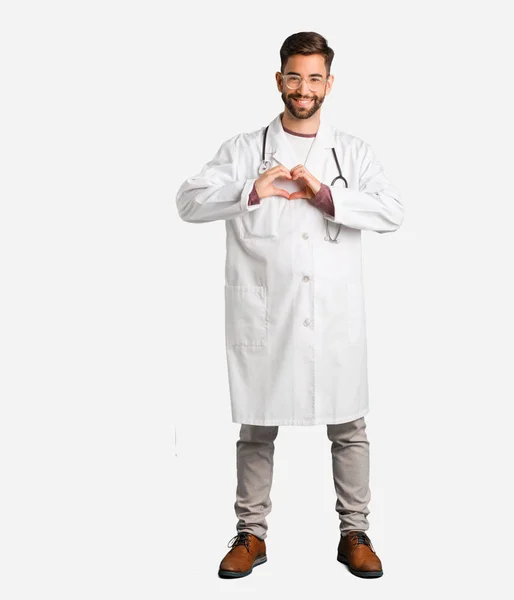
(263, 222)
(245, 315)
(356, 313)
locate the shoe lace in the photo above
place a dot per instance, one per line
(361, 538)
(241, 539)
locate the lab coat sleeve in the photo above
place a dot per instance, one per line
(254, 196)
(375, 207)
(216, 193)
(323, 200)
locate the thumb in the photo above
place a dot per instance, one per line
(280, 192)
(296, 195)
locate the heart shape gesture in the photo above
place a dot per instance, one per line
(311, 186)
(264, 185)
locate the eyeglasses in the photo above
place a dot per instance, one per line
(314, 83)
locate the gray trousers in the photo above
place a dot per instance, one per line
(350, 467)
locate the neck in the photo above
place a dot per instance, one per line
(306, 126)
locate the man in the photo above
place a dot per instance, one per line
(295, 197)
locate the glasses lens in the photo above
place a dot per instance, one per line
(293, 81)
(315, 84)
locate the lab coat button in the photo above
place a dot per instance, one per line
(305, 236)
(306, 278)
(307, 322)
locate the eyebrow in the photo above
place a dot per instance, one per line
(310, 75)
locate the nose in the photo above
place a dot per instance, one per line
(304, 88)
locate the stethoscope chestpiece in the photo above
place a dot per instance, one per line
(264, 166)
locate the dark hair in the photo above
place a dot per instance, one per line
(306, 42)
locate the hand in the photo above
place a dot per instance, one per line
(311, 186)
(264, 185)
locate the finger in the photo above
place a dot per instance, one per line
(285, 171)
(307, 178)
(268, 174)
(282, 173)
(302, 172)
(280, 192)
(298, 172)
(297, 195)
(277, 168)
(298, 175)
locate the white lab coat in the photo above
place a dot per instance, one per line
(294, 303)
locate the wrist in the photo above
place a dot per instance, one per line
(254, 197)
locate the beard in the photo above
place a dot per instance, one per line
(299, 112)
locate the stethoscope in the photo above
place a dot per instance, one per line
(266, 164)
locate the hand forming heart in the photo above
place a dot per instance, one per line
(310, 185)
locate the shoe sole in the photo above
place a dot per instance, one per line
(234, 574)
(365, 574)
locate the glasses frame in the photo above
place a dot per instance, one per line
(284, 80)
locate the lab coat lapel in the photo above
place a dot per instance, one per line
(278, 145)
(279, 148)
(320, 153)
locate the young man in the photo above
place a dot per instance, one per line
(294, 197)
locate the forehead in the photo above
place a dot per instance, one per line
(306, 65)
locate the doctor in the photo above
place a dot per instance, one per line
(295, 197)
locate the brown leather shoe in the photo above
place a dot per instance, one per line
(355, 551)
(247, 552)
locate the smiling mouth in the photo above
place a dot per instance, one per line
(302, 102)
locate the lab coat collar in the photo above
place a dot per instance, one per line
(278, 145)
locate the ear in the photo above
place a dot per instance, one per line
(278, 79)
(330, 83)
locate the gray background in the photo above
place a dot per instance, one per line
(117, 448)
